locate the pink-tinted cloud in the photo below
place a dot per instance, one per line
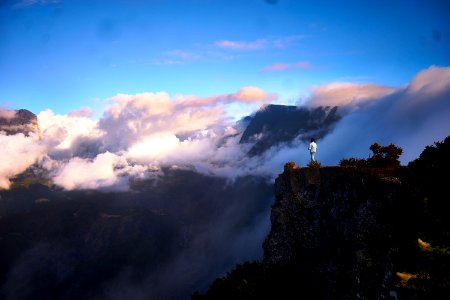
(81, 112)
(345, 93)
(7, 114)
(431, 80)
(247, 95)
(242, 45)
(251, 94)
(277, 67)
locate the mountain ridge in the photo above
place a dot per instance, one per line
(277, 124)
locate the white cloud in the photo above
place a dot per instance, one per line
(85, 174)
(81, 112)
(141, 133)
(242, 45)
(412, 117)
(60, 131)
(259, 44)
(18, 152)
(154, 147)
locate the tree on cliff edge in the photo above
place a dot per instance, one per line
(382, 157)
(385, 156)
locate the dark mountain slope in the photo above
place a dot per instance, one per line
(277, 124)
(160, 240)
(23, 121)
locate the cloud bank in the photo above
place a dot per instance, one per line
(347, 94)
(139, 134)
(412, 117)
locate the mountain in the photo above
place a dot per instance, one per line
(353, 233)
(18, 121)
(276, 124)
(162, 239)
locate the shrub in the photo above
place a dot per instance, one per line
(353, 162)
(290, 166)
(314, 164)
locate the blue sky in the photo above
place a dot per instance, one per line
(67, 54)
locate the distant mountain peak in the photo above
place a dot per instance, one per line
(276, 124)
(18, 121)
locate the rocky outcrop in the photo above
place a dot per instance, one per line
(331, 223)
(18, 121)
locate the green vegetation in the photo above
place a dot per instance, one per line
(41, 200)
(431, 276)
(27, 181)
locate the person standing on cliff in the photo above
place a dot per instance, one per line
(312, 149)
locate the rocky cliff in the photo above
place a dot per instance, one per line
(352, 233)
(334, 224)
(277, 124)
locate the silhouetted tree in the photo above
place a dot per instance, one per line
(385, 156)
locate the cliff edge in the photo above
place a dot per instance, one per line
(353, 233)
(330, 227)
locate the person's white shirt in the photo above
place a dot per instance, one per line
(313, 147)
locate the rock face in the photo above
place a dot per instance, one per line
(277, 124)
(18, 121)
(331, 223)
